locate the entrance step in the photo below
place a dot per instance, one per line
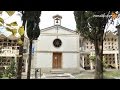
(57, 71)
(57, 76)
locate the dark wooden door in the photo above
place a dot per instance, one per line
(57, 60)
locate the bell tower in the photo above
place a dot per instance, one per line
(57, 19)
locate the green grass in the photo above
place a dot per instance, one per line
(4, 78)
(111, 74)
(84, 77)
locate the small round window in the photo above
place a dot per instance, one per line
(57, 42)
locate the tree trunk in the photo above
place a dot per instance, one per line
(99, 60)
(119, 46)
(29, 61)
(20, 61)
(19, 69)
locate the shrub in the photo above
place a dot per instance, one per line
(11, 70)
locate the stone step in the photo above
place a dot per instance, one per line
(57, 71)
(58, 76)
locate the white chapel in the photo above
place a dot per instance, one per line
(57, 48)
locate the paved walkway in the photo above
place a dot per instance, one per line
(84, 74)
(51, 76)
(58, 76)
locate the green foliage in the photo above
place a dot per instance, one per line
(20, 42)
(33, 19)
(11, 70)
(30, 26)
(8, 29)
(1, 20)
(92, 58)
(112, 74)
(1, 75)
(32, 15)
(1, 71)
(36, 32)
(10, 13)
(104, 63)
(12, 28)
(33, 31)
(21, 30)
(14, 24)
(88, 25)
(1, 24)
(8, 24)
(14, 31)
(92, 29)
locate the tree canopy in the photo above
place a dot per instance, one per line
(33, 19)
(90, 23)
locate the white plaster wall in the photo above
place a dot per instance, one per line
(51, 31)
(59, 30)
(69, 43)
(70, 60)
(44, 48)
(43, 60)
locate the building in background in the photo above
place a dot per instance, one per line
(110, 51)
(9, 50)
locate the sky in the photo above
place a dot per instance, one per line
(67, 20)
